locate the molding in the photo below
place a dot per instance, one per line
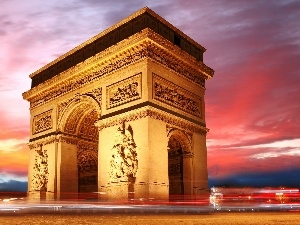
(95, 67)
(142, 19)
(188, 134)
(56, 137)
(149, 111)
(33, 144)
(147, 103)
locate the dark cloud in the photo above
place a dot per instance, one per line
(13, 186)
(286, 178)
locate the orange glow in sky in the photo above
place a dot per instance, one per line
(252, 102)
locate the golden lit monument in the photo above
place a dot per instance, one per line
(122, 114)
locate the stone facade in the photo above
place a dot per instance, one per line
(126, 120)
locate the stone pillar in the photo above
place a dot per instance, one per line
(200, 185)
(51, 163)
(120, 144)
(41, 173)
(151, 177)
(187, 174)
(67, 171)
(158, 160)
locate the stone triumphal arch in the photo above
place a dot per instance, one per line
(121, 115)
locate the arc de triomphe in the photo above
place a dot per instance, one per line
(122, 114)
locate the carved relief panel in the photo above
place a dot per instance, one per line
(124, 91)
(124, 162)
(40, 171)
(172, 94)
(42, 122)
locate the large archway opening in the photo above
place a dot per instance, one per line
(87, 153)
(80, 124)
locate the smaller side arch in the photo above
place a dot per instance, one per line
(180, 136)
(180, 163)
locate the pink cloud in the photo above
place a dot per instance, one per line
(252, 46)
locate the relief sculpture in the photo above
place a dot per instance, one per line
(124, 162)
(172, 94)
(42, 122)
(124, 91)
(40, 171)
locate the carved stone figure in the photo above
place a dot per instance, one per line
(124, 162)
(40, 174)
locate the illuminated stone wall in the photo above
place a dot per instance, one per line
(104, 124)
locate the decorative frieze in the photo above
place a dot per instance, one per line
(40, 171)
(42, 122)
(124, 91)
(171, 94)
(146, 49)
(106, 67)
(149, 111)
(177, 65)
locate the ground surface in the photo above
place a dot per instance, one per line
(230, 218)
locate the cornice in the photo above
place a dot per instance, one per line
(177, 52)
(92, 64)
(146, 44)
(149, 111)
(42, 141)
(58, 138)
(114, 27)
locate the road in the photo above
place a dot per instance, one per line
(214, 218)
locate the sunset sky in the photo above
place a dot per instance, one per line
(252, 102)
